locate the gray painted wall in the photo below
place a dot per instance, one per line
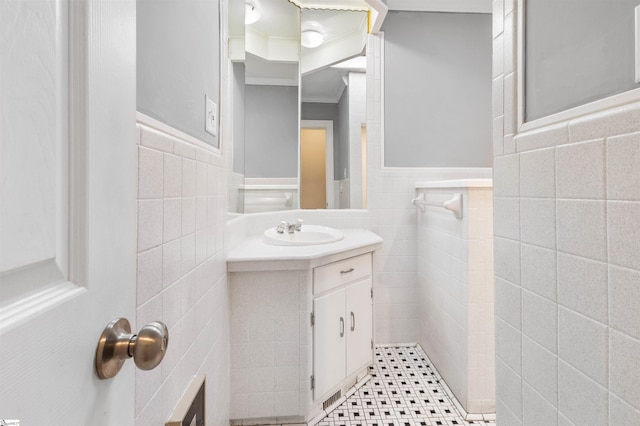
(570, 65)
(437, 90)
(178, 61)
(325, 111)
(238, 117)
(342, 161)
(271, 131)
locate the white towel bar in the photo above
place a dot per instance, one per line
(454, 205)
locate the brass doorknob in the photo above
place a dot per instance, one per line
(117, 344)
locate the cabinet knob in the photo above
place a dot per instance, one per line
(341, 327)
(353, 321)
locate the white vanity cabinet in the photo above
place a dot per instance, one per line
(300, 326)
(343, 323)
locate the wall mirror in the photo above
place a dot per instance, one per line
(298, 107)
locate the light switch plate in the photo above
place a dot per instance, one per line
(211, 116)
(637, 43)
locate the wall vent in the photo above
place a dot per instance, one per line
(333, 398)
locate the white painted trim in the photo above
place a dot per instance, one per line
(618, 100)
(452, 6)
(172, 131)
(456, 183)
(377, 12)
(327, 125)
(271, 81)
(520, 64)
(600, 105)
(442, 173)
(326, 99)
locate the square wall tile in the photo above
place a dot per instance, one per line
(504, 415)
(507, 259)
(188, 215)
(623, 227)
(624, 368)
(581, 228)
(498, 94)
(506, 217)
(510, 112)
(510, 56)
(540, 370)
(149, 224)
(536, 411)
(507, 302)
(171, 262)
(150, 173)
(508, 345)
(580, 170)
(582, 286)
(188, 178)
(149, 278)
(172, 175)
(623, 173)
(172, 219)
(538, 222)
(580, 399)
(506, 176)
(621, 413)
(539, 270)
(540, 320)
(583, 343)
(509, 388)
(498, 53)
(537, 173)
(624, 300)
(497, 136)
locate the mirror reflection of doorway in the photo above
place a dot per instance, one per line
(316, 164)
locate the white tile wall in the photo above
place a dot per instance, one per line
(455, 296)
(571, 295)
(181, 274)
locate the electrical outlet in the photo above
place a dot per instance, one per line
(637, 43)
(210, 116)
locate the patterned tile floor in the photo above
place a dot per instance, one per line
(403, 391)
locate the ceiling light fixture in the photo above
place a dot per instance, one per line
(311, 38)
(251, 14)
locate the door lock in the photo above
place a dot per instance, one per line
(117, 344)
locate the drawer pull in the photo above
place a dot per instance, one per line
(353, 321)
(346, 271)
(341, 327)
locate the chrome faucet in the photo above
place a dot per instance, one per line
(289, 227)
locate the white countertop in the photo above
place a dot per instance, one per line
(253, 254)
(457, 183)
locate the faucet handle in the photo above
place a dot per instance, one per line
(299, 225)
(282, 226)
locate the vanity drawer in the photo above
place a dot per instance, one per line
(338, 273)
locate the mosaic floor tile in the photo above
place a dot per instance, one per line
(403, 391)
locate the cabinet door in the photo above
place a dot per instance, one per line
(359, 317)
(329, 337)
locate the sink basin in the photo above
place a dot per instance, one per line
(309, 235)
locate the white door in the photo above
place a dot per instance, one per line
(329, 348)
(360, 325)
(67, 212)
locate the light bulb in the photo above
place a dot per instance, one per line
(311, 38)
(251, 14)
